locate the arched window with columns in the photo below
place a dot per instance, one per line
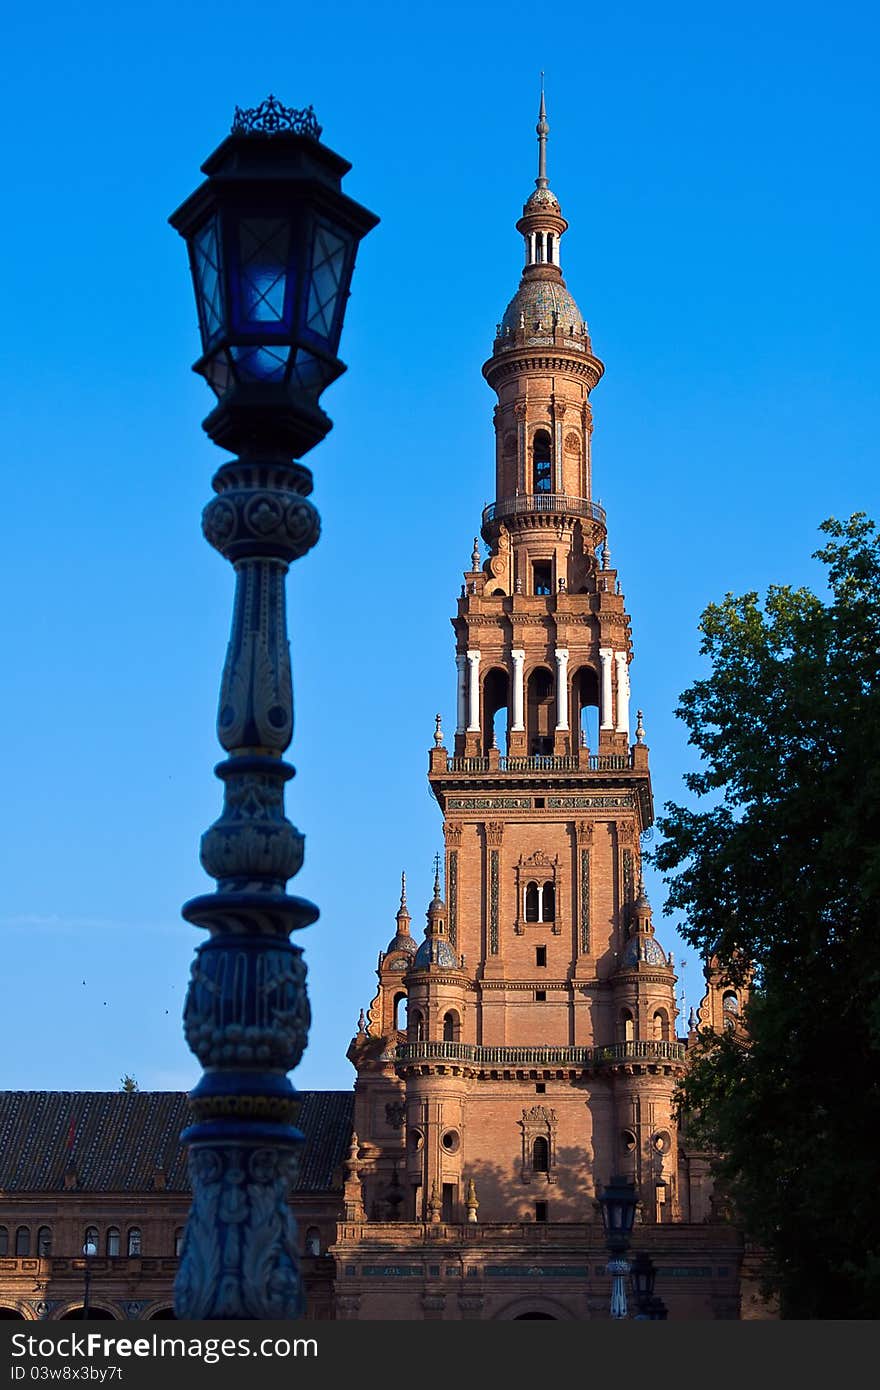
(542, 465)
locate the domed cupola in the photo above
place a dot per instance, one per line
(435, 950)
(402, 941)
(642, 946)
(542, 303)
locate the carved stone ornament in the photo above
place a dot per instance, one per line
(584, 832)
(452, 833)
(240, 1249)
(494, 832)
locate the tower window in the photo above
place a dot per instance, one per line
(550, 246)
(23, 1241)
(541, 466)
(542, 577)
(548, 903)
(540, 955)
(451, 1030)
(532, 902)
(627, 1025)
(540, 1211)
(113, 1241)
(44, 1242)
(4, 1240)
(178, 1241)
(541, 1155)
(540, 1088)
(134, 1241)
(540, 995)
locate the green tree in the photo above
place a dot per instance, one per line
(779, 867)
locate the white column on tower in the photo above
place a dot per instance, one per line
(561, 689)
(605, 656)
(622, 692)
(518, 657)
(473, 691)
(461, 692)
(532, 252)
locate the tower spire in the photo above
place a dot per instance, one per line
(543, 130)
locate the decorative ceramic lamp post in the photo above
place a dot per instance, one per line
(618, 1202)
(272, 243)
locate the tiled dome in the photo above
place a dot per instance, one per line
(435, 951)
(542, 200)
(643, 948)
(537, 301)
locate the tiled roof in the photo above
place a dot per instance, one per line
(120, 1138)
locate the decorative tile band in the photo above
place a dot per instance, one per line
(628, 894)
(585, 900)
(489, 803)
(493, 902)
(452, 896)
(590, 803)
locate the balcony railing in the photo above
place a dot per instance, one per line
(541, 1056)
(558, 502)
(540, 762)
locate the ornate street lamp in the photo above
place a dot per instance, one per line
(618, 1203)
(642, 1274)
(272, 243)
(90, 1250)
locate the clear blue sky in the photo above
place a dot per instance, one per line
(717, 165)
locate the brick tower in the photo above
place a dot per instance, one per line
(539, 1054)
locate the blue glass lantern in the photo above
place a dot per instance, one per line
(618, 1202)
(272, 243)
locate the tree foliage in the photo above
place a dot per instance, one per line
(779, 868)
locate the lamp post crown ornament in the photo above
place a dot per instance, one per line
(272, 117)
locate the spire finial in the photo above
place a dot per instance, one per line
(475, 555)
(543, 130)
(436, 875)
(438, 731)
(403, 889)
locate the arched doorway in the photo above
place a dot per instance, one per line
(11, 1315)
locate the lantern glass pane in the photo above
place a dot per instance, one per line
(260, 363)
(217, 374)
(328, 268)
(308, 372)
(206, 263)
(264, 246)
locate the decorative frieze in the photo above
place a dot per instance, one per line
(626, 802)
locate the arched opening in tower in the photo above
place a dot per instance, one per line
(496, 694)
(399, 1015)
(542, 472)
(541, 711)
(585, 705)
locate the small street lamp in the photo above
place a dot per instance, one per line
(642, 1274)
(618, 1202)
(90, 1250)
(272, 242)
